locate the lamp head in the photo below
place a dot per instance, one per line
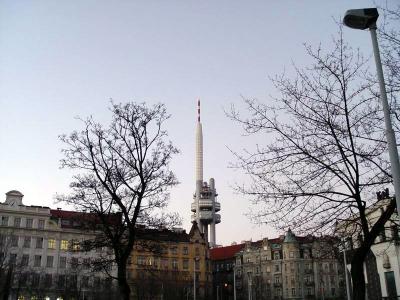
(361, 18)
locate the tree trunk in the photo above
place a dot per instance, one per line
(124, 288)
(357, 274)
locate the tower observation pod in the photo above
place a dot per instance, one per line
(204, 206)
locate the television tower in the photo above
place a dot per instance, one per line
(204, 206)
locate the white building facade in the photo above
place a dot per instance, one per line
(42, 255)
(382, 268)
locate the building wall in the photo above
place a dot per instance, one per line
(281, 268)
(165, 266)
(386, 249)
(43, 247)
(390, 263)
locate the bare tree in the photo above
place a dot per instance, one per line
(122, 176)
(6, 269)
(325, 150)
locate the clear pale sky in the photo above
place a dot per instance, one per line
(61, 59)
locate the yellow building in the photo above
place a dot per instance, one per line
(168, 264)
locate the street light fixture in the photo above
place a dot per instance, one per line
(366, 18)
(361, 18)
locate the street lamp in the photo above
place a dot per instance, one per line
(194, 276)
(249, 283)
(366, 18)
(234, 281)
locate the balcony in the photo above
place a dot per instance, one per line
(309, 283)
(207, 204)
(207, 216)
(308, 271)
(277, 284)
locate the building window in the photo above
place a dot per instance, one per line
(164, 263)
(276, 268)
(51, 244)
(35, 279)
(141, 260)
(291, 254)
(85, 281)
(174, 264)
(309, 291)
(63, 262)
(96, 282)
(37, 261)
(185, 250)
(248, 260)
(75, 245)
(277, 279)
(293, 292)
(25, 260)
(197, 251)
(174, 250)
(48, 280)
(74, 262)
(29, 223)
(49, 263)
(13, 258)
(185, 264)
(14, 241)
(86, 263)
(39, 242)
(333, 291)
(17, 222)
(276, 255)
(64, 245)
(27, 242)
(333, 280)
(4, 221)
(41, 224)
(197, 264)
(61, 281)
(268, 269)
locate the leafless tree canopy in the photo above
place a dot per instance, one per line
(122, 175)
(325, 150)
(324, 157)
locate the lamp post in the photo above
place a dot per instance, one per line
(250, 292)
(234, 282)
(366, 18)
(194, 277)
(345, 271)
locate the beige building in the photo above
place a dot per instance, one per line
(289, 267)
(170, 264)
(41, 257)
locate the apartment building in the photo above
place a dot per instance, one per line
(287, 267)
(41, 255)
(170, 264)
